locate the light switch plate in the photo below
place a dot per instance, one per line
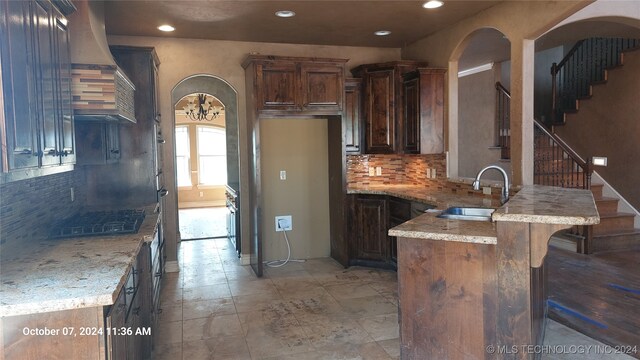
(378, 170)
(486, 190)
(283, 175)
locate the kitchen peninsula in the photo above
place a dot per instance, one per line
(467, 288)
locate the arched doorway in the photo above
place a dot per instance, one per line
(225, 95)
(477, 138)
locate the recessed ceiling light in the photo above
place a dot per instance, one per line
(166, 28)
(285, 13)
(432, 4)
(382, 32)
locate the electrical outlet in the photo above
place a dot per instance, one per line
(378, 170)
(283, 175)
(372, 171)
(201, 194)
(428, 173)
(486, 190)
(73, 195)
(283, 223)
(433, 173)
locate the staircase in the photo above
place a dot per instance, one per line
(557, 164)
(616, 229)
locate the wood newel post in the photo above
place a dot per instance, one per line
(554, 95)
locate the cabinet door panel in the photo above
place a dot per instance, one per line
(432, 112)
(47, 83)
(322, 87)
(380, 112)
(65, 111)
(278, 84)
(371, 221)
(411, 128)
(19, 85)
(352, 116)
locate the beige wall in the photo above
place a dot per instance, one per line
(521, 22)
(181, 58)
(608, 125)
(476, 129)
(298, 146)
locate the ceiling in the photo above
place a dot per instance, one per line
(321, 22)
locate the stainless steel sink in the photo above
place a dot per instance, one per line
(467, 213)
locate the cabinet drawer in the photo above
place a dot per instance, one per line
(399, 209)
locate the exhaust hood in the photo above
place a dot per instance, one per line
(101, 90)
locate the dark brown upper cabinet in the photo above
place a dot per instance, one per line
(38, 126)
(424, 111)
(291, 84)
(383, 113)
(352, 116)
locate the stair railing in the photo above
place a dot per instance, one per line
(583, 66)
(503, 124)
(556, 164)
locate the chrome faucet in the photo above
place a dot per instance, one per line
(505, 190)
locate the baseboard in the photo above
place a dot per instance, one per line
(171, 267)
(201, 204)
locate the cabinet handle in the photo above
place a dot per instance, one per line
(161, 141)
(115, 151)
(27, 152)
(63, 153)
(159, 274)
(130, 290)
(52, 152)
(163, 192)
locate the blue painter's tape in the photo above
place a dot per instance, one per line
(574, 313)
(618, 287)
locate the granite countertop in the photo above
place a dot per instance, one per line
(437, 198)
(63, 274)
(550, 205)
(532, 204)
(428, 226)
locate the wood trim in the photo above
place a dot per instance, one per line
(266, 58)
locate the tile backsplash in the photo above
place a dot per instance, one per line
(396, 169)
(28, 207)
(409, 170)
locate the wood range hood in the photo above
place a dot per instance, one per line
(101, 91)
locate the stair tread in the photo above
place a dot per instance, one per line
(617, 214)
(606, 198)
(618, 232)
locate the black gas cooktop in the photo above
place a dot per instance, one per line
(99, 223)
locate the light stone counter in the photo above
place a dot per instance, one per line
(532, 204)
(549, 205)
(428, 226)
(63, 274)
(439, 199)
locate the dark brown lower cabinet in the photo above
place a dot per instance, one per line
(371, 217)
(115, 320)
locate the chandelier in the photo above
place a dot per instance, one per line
(199, 108)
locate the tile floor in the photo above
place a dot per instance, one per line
(200, 223)
(216, 309)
